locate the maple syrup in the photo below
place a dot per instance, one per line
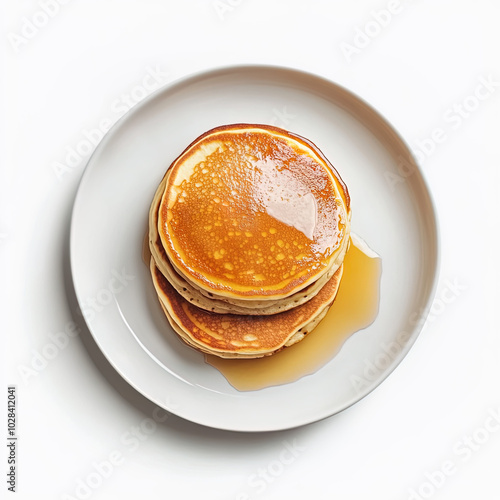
(355, 307)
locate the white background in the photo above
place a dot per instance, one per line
(65, 76)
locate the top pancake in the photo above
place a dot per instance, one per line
(253, 212)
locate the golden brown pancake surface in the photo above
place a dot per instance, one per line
(253, 211)
(240, 335)
(212, 303)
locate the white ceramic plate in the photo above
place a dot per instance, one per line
(392, 211)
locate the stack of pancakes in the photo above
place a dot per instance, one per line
(248, 231)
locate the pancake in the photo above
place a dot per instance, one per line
(250, 215)
(221, 305)
(239, 336)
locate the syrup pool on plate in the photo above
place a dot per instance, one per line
(355, 307)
